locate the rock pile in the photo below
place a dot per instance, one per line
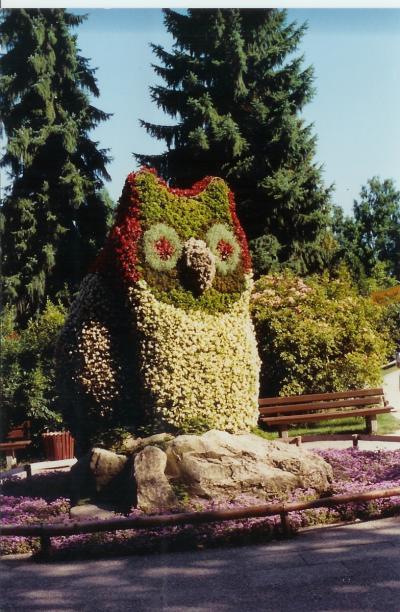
(152, 472)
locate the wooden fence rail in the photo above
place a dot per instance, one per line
(45, 532)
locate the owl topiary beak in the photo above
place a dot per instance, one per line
(197, 266)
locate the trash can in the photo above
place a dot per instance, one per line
(58, 445)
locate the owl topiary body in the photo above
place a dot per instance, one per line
(160, 336)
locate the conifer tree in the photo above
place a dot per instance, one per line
(53, 215)
(235, 90)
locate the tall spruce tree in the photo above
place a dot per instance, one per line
(53, 215)
(237, 90)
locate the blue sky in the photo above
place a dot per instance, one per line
(355, 112)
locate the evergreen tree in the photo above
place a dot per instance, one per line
(53, 215)
(237, 90)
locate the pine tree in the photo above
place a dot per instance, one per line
(53, 216)
(237, 90)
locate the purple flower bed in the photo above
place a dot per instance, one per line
(43, 498)
(361, 471)
(28, 511)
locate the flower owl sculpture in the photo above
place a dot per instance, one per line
(159, 337)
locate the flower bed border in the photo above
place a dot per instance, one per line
(298, 440)
(45, 531)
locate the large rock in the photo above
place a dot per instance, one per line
(91, 512)
(134, 445)
(214, 466)
(222, 466)
(154, 493)
(105, 466)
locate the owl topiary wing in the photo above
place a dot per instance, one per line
(96, 363)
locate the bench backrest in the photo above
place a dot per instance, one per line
(19, 432)
(321, 401)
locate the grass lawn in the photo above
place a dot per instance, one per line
(387, 424)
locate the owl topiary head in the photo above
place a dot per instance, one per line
(188, 245)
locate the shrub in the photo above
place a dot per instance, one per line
(27, 369)
(389, 300)
(317, 335)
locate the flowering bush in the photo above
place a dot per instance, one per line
(315, 335)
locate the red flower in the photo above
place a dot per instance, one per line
(164, 248)
(119, 253)
(225, 249)
(240, 235)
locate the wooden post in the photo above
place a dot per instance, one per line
(45, 546)
(372, 424)
(285, 523)
(283, 433)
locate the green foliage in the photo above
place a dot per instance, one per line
(205, 216)
(182, 494)
(236, 89)
(264, 254)
(109, 206)
(54, 217)
(210, 301)
(27, 369)
(390, 324)
(369, 242)
(189, 216)
(377, 218)
(316, 336)
(112, 439)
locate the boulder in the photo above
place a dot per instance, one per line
(154, 492)
(134, 445)
(102, 475)
(214, 466)
(91, 511)
(221, 466)
(105, 466)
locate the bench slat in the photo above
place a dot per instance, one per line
(304, 418)
(333, 405)
(4, 446)
(297, 399)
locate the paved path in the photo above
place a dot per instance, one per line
(391, 386)
(351, 568)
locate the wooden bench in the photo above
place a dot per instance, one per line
(280, 412)
(16, 439)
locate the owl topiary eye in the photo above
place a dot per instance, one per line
(162, 247)
(224, 245)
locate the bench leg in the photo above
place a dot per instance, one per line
(283, 433)
(372, 424)
(10, 460)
